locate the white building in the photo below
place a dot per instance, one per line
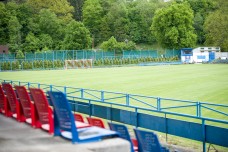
(200, 54)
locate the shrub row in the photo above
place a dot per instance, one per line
(123, 61)
(37, 64)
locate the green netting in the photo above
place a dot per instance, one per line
(90, 54)
(172, 53)
(139, 54)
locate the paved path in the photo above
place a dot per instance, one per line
(20, 137)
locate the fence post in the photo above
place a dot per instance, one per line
(203, 135)
(136, 115)
(50, 87)
(102, 96)
(28, 84)
(65, 90)
(199, 109)
(38, 85)
(158, 104)
(82, 93)
(127, 99)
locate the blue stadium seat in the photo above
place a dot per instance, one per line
(65, 123)
(123, 131)
(148, 142)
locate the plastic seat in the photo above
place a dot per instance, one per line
(4, 106)
(78, 117)
(27, 105)
(95, 122)
(122, 129)
(14, 108)
(43, 114)
(66, 127)
(148, 141)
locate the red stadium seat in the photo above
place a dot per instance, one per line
(43, 114)
(14, 109)
(96, 122)
(27, 105)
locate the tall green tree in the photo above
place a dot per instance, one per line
(216, 27)
(77, 4)
(201, 9)
(4, 19)
(14, 28)
(77, 37)
(173, 26)
(32, 43)
(61, 8)
(92, 18)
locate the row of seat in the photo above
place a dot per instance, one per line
(33, 108)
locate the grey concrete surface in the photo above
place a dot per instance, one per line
(21, 137)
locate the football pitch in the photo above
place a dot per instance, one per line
(199, 82)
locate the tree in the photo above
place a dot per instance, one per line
(20, 55)
(118, 21)
(109, 45)
(77, 4)
(32, 43)
(4, 19)
(14, 28)
(216, 27)
(61, 8)
(77, 37)
(201, 9)
(173, 26)
(92, 17)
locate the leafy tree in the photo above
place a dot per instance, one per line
(61, 8)
(77, 37)
(201, 10)
(113, 45)
(92, 17)
(77, 4)
(20, 55)
(173, 26)
(3, 24)
(118, 21)
(216, 27)
(32, 43)
(14, 28)
(45, 41)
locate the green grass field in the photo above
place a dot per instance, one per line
(199, 82)
(202, 82)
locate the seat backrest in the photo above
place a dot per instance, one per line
(123, 131)
(147, 141)
(2, 98)
(41, 104)
(63, 116)
(78, 117)
(11, 96)
(96, 122)
(24, 100)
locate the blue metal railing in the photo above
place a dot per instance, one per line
(130, 100)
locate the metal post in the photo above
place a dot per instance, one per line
(50, 87)
(127, 99)
(90, 109)
(65, 90)
(102, 96)
(136, 115)
(82, 93)
(158, 104)
(166, 129)
(199, 109)
(38, 85)
(203, 135)
(28, 84)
